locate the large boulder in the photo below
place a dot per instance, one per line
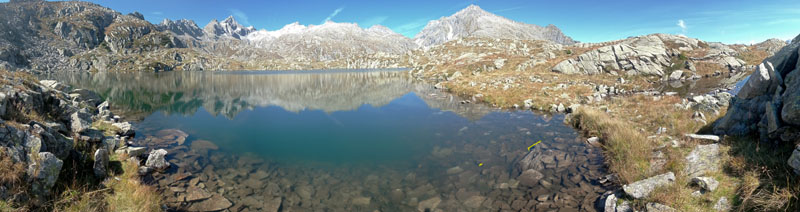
(768, 105)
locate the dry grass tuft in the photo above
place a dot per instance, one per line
(628, 151)
(129, 193)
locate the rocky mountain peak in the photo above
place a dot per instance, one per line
(228, 27)
(476, 22)
(181, 27)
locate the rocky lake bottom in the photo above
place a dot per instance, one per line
(346, 141)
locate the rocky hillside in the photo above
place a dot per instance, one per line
(476, 22)
(330, 41)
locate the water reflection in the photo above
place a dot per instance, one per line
(230, 93)
(349, 141)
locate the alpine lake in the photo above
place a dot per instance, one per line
(360, 140)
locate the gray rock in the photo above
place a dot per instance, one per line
(125, 128)
(528, 103)
(54, 85)
(610, 203)
(641, 189)
(655, 207)
(722, 204)
(794, 160)
(530, 177)
(760, 82)
(135, 151)
(702, 160)
(80, 121)
(676, 75)
(713, 138)
(90, 97)
(44, 171)
(706, 183)
(156, 159)
(100, 166)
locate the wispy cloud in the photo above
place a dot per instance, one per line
(335, 12)
(682, 25)
(373, 21)
(157, 13)
(241, 17)
(411, 28)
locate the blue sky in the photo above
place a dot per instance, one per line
(729, 21)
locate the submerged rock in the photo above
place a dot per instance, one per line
(429, 204)
(530, 177)
(215, 203)
(641, 189)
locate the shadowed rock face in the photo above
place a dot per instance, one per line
(769, 103)
(230, 93)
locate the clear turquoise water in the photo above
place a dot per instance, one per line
(372, 132)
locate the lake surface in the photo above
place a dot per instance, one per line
(344, 141)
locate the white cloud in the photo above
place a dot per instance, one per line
(682, 25)
(373, 21)
(241, 17)
(335, 12)
(157, 13)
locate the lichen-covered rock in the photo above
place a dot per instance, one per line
(702, 160)
(43, 171)
(80, 121)
(157, 160)
(641, 189)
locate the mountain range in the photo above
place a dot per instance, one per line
(73, 35)
(46, 36)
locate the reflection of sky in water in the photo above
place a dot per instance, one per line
(399, 131)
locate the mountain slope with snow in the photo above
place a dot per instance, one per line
(330, 41)
(476, 22)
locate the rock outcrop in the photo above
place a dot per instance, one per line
(655, 55)
(769, 103)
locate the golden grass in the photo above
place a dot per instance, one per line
(129, 193)
(122, 192)
(627, 150)
(767, 182)
(753, 56)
